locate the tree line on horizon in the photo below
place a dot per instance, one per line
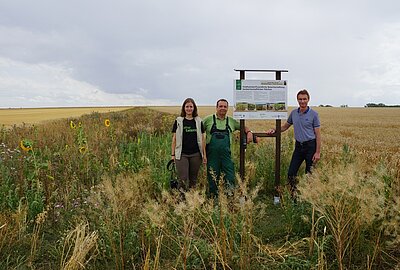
(365, 106)
(379, 105)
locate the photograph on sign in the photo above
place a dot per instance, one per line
(260, 99)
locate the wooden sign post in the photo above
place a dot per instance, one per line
(277, 135)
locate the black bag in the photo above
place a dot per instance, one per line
(173, 180)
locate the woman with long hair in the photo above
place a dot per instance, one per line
(188, 144)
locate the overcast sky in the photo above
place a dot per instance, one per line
(158, 52)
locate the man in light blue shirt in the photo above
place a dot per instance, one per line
(308, 137)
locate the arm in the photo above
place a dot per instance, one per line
(249, 134)
(317, 154)
(284, 127)
(173, 145)
(203, 138)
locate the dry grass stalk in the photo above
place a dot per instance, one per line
(35, 237)
(121, 201)
(347, 199)
(156, 260)
(146, 265)
(322, 262)
(13, 227)
(20, 217)
(8, 234)
(77, 245)
(392, 224)
(274, 254)
(314, 241)
(215, 222)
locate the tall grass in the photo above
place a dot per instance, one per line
(353, 205)
(93, 192)
(77, 245)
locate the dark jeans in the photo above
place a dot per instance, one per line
(302, 151)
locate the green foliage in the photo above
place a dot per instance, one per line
(381, 105)
(109, 171)
(295, 263)
(296, 216)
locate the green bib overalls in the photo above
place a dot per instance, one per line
(219, 161)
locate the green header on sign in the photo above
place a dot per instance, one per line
(238, 85)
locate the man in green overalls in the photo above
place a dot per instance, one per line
(219, 128)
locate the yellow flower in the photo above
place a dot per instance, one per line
(82, 149)
(26, 145)
(107, 122)
(80, 124)
(72, 124)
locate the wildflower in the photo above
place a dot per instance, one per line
(82, 149)
(59, 205)
(41, 217)
(107, 122)
(80, 124)
(26, 145)
(72, 124)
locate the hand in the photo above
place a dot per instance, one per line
(316, 157)
(204, 160)
(271, 131)
(249, 137)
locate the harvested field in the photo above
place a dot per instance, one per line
(9, 117)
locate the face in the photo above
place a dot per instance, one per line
(189, 107)
(222, 108)
(302, 99)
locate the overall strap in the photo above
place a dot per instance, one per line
(214, 125)
(228, 128)
(215, 129)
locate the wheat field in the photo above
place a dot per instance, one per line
(370, 131)
(9, 117)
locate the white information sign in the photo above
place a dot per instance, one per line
(260, 99)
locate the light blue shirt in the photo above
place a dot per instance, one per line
(304, 124)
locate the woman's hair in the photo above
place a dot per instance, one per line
(189, 100)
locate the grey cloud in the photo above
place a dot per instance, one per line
(168, 50)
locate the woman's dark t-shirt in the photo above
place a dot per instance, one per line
(189, 136)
